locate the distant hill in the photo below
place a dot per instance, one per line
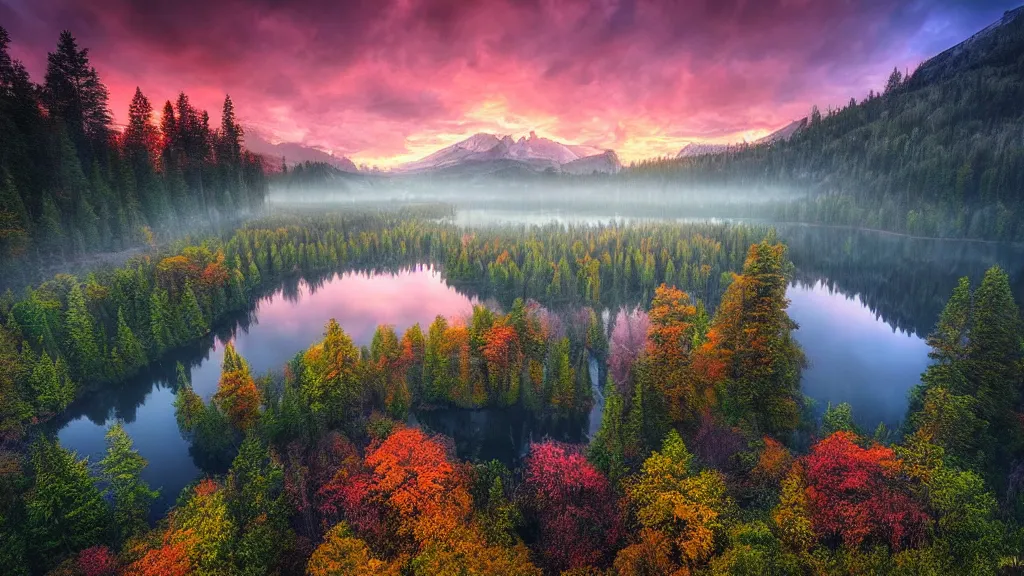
(293, 153)
(940, 153)
(782, 134)
(700, 149)
(485, 152)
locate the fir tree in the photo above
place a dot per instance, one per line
(82, 342)
(129, 350)
(66, 512)
(122, 470)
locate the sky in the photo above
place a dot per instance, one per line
(389, 81)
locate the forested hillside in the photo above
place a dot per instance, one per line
(937, 153)
(73, 183)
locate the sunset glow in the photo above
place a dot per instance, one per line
(385, 82)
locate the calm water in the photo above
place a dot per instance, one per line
(285, 325)
(862, 301)
(854, 356)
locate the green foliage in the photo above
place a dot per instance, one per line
(122, 471)
(65, 511)
(607, 449)
(838, 418)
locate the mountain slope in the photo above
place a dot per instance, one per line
(938, 154)
(294, 153)
(782, 134)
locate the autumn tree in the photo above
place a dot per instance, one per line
(413, 477)
(573, 506)
(854, 495)
(668, 353)
(504, 357)
(750, 345)
(342, 553)
(389, 368)
(628, 340)
(792, 515)
(237, 396)
(691, 510)
(204, 528)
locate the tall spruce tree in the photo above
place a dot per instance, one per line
(131, 495)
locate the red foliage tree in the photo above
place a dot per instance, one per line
(859, 494)
(347, 494)
(97, 561)
(574, 506)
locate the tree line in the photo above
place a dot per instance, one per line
(937, 153)
(73, 184)
(70, 335)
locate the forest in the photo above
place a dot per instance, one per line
(708, 458)
(706, 461)
(937, 152)
(72, 185)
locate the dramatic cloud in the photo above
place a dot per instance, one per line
(384, 81)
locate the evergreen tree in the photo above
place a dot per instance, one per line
(160, 321)
(52, 385)
(82, 342)
(607, 450)
(122, 471)
(188, 406)
(66, 512)
(191, 316)
(993, 366)
(129, 351)
(74, 94)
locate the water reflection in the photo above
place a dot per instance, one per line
(288, 322)
(854, 357)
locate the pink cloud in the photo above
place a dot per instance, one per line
(389, 80)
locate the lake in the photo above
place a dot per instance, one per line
(862, 300)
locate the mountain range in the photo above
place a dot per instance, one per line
(533, 153)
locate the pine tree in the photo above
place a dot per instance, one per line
(66, 512)
(53, 388)
(82, 342)
(122, 470)
(191, 316)
(73, 93)
(160, 319)
(993, 365)
(15, 224)
(607, 450)
(129, 350)
(188, 406)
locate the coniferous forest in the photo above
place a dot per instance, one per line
(71, 185)
(647, 375)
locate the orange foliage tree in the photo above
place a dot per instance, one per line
(237, 395)
(413, 477)
(750, 350)
(669, 340)
(504, 357)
